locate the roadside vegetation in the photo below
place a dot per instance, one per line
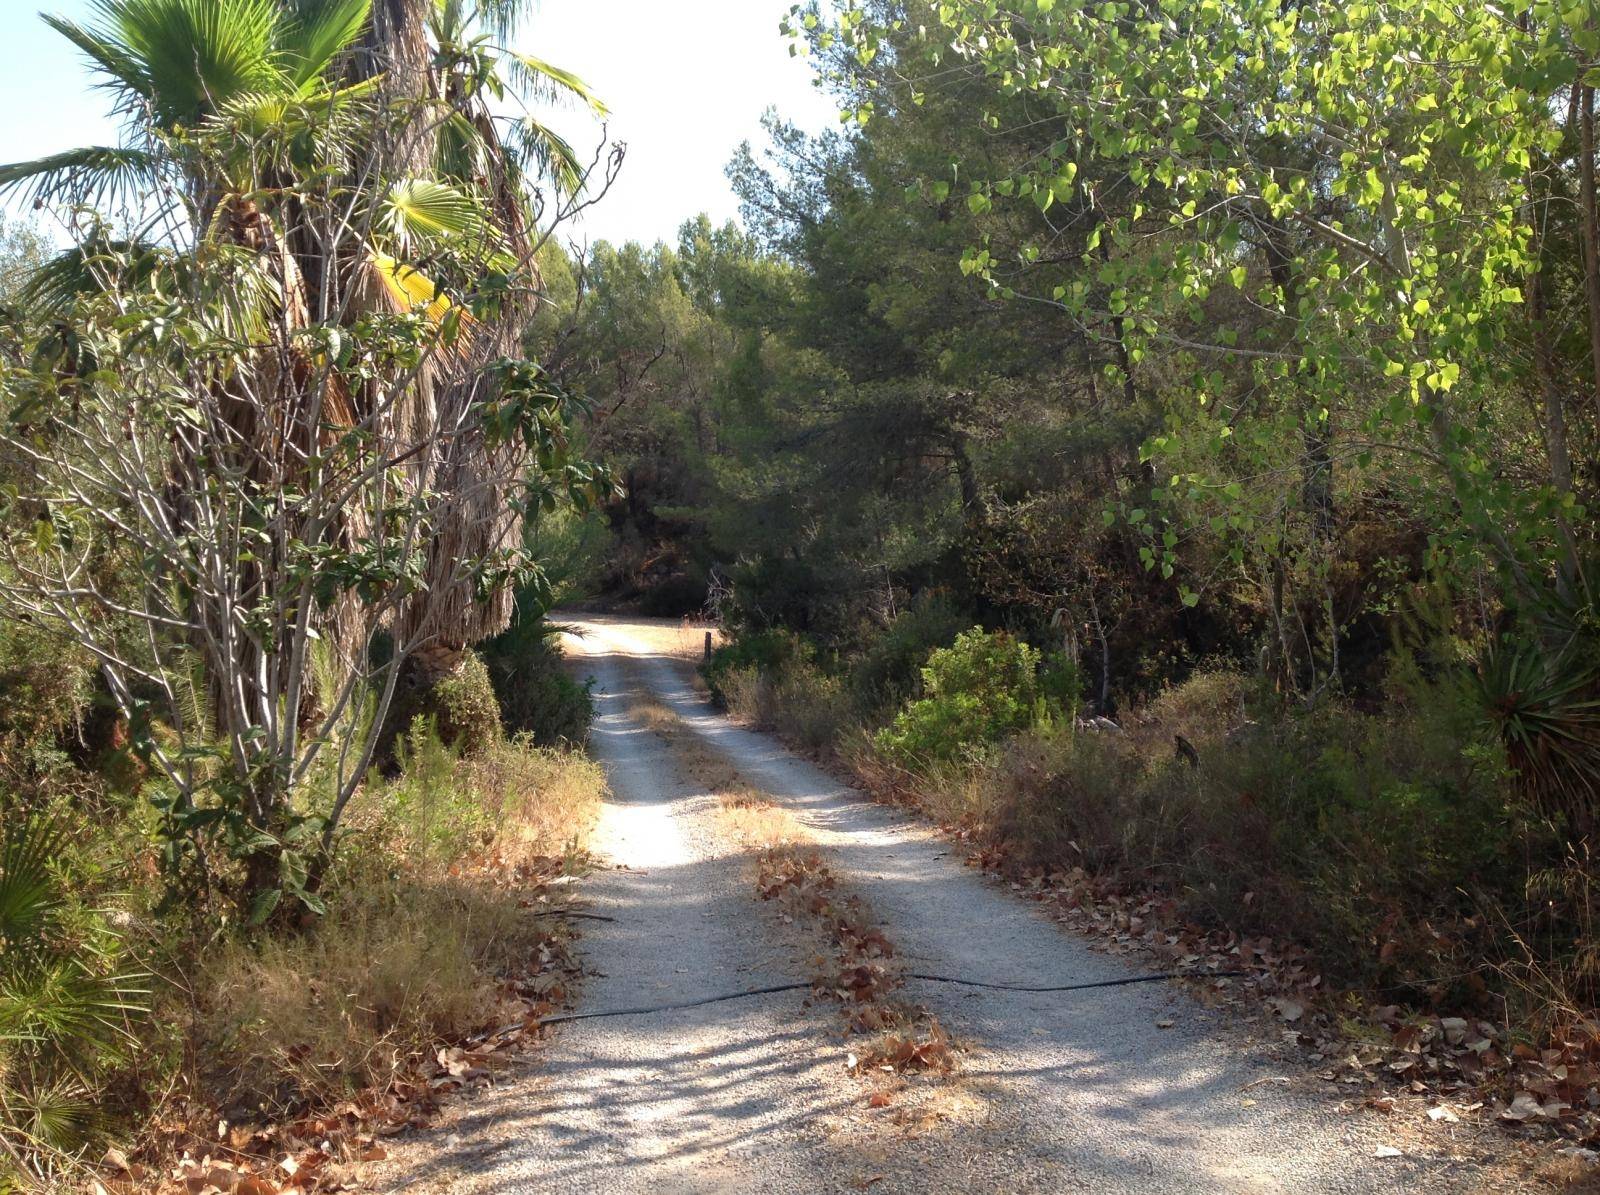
(1157, 439)
(277, 844)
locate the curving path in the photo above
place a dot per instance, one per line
(1056, 1091)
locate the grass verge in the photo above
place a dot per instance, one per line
(296, 1054)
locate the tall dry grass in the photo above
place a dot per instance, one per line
(425, 928)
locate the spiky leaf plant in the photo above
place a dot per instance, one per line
(66, 1002)
(1545, 706)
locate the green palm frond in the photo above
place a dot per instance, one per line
(419, 211)
(179, 58)
(539, 150)
(92, 175)
(329, 115)
(1545, 707)
(125, 75)
(499, 18)
(64, 1009)
(462, 152)
(28, 896)
(57, 1115)
(97, 265)
(63, 1003)
(541, 80)
(317, 33)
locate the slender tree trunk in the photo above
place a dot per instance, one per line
(1553, 399)
(1589, 220)
(972, 506)
(1316, 457)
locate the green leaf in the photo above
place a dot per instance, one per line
(264, 905)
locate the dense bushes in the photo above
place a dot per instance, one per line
(889, 668)
(111, 992)
(979, 690)
(1391, 842)
(469, 714)
(107, 998)
(46, 687)
(760, 653)
(1379, 841)
(536, 695)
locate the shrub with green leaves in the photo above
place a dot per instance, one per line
(762, 652)
(469, 714)
(982, 688)
(888, 670)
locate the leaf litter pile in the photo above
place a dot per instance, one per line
(857, 970)
(312, 1148)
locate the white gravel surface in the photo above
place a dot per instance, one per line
(1054, 1092)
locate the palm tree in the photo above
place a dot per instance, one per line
(341, 159)
(458, 178)
(442, 60)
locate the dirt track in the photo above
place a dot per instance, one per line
(1054, 1091)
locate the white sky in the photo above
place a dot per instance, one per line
(686, 82)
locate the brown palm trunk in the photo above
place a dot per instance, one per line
(448, 614)
(396, 47)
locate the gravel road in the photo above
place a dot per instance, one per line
(1054, 1092)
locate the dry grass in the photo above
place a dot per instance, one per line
(810, 709)
(542, 800)
(397, 967)
(756, 821)
(425, 931)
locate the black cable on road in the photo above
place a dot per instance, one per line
(641, 1011)
(1076, 987)
(645, 1010)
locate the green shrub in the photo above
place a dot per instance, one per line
(45, 690)
(982, 688)
(44, 684)
(761, 652)
(816, 707)
(890, 669)
(428, 814)
(1378, 841)
(537, 697)
(468, 712)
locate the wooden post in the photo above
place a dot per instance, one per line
(708, 645)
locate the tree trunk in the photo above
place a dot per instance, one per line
(448, 613)
(1551, 394)
(396, 47)
(1316, 435)
(1589, 220)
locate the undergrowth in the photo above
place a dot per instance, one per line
(1392, 845)
(122, 1024)
(418, 946)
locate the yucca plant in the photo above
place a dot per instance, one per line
(67, 1002)
(1545, 706)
